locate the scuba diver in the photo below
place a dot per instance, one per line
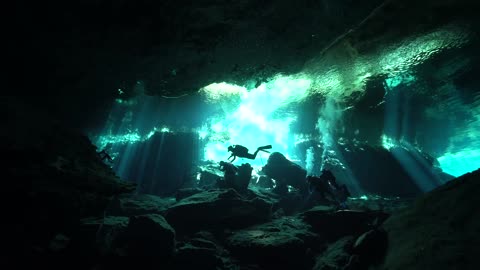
(326, 184)
(242, 151)
(342, 196)
(321, 186)
(105, 156)
(328, 177)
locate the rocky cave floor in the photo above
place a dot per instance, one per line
(67, 209)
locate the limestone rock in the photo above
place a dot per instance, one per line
(336, 256)
(281, 242)
(217, 209)
(193, 255)
(285, 172)
(440, 231)
(149, 236)
(186, 192)
(335, 224)
(371, 247)
(107, 232)
(140, 204)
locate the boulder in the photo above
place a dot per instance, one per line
(243, 177)
(336, 256)
(264, 194)
(335, 224)
(379, 203)
(105, 233)
(441, 230)
(197, 254)
(284, 241)
(370, 247)
(291, 203)
(285, 172)
(203, 243)
(126, 242)
(209, 175)
(137, 236)
(218, 209)
(99, 238)
(56, 179)
(395, 166)
(186, 192)
(202, 251)
(138, 204)
(150, 235)
(264, 182)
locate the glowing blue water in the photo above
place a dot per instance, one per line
(253, 118)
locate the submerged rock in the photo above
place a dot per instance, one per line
(190, 256)
(285, 172)
(336, 256)
(137, 236)
(335, 224)
(138, 204)
(379, 203)
(217, 209)
(284, 241)
(440, 231)
(113, 242)
(149, 236)
(396, 177)
(186, 192)
(242, 178)
(103, 234)
(264, 194)
(370, 247)
(209, 175)
(202, 251)
(264, 181)
(56, 178)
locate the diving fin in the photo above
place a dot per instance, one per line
(265, 147)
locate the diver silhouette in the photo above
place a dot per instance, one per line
(242, 151)
(105, 156)
(328, 177)
(321, 186)
(326, 184)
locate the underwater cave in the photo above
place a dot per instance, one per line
(243, 134)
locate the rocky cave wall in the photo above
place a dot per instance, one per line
(72, 61)
(73, 57)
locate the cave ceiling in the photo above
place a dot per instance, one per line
(97, 48)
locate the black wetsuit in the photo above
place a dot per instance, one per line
(242, 151)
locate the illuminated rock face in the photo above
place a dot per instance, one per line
(217, 209)
(285, 172)
(280, 71)
(439, 117)
(160, 165)
(365, 87)
(92, 49)
(439, 230)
